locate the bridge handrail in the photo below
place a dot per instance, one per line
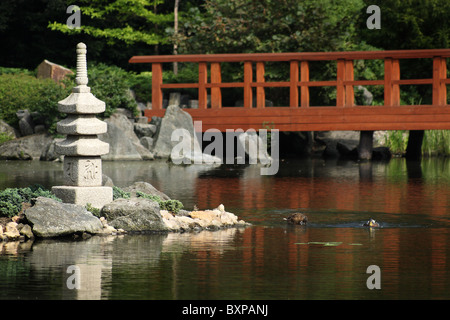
(299, 75)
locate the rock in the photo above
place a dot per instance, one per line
(147, 142)
(11, 231)
(135, 214)
(127, 113)
(49, 153)
(52, 70)
(26, 231)
(142, 120)
(26, 124)
(259, 153)
(107, 181)
(6, 128)
(40, 128)
(50, 218)
(175, 99)
(364, 96)
(144, 129)
(25, 148)
(174, 119)
(147, 188)
(123, 142)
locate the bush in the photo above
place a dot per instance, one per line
(111, 84)
(119, 193)
(11, 199)
(170, 205)
(22, 91)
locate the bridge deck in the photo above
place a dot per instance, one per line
(299, 115)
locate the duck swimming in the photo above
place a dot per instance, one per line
(371, 223)
(297, 218)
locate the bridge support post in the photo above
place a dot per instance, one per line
(365, 147)
(414, 147)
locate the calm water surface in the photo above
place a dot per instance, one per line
(269, 260)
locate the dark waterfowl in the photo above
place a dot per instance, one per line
(297, 218)
(372, 224)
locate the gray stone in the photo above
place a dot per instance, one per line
(142, 119)
(193, 104)
(147, 142)
(83, 171)
(147, 188)
(40, 128)
(82, 146)
(107, 181)
(25, 148)
(135, 214)
(6, 128)
(96, 196)
(125, 112)
(50, 218)
(174, 118)
(81, 125)
(26, 124)
(49, 153)
(144, 129)
(175, 99)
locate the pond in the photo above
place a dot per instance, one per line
(328, 259)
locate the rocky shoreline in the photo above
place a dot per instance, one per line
(51, 219)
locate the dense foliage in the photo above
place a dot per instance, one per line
(11, 199)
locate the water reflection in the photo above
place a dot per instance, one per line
(269, 260)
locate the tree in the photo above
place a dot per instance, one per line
(127, 21)
(227, 26)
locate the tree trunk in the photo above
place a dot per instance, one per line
(175, 28)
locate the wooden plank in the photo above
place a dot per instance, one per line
(299, 56)
(248, 78)
(293, 84)
(260, 94)
(216, 94)
(304, 90)
(439, 86)
(157, 94)
(202, 80)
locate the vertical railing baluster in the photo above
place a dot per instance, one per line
(293, 95)
(248, 79)
(304, 77)
(216, 92)
(260, 91)
(202, 80)
(439, 87)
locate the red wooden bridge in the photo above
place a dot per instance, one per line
(299, 115)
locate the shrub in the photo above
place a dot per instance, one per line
(95, 211)
(11, 199)
(22, 91)
(119, 193)
(111, 84)
(169, 205)
(4, 136)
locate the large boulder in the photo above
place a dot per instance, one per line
(25, 148)
(123, 142)
(175, 118)
(134, 214)
(50, 218)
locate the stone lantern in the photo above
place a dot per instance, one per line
(82, 149)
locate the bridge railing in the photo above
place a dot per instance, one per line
(299, 80)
